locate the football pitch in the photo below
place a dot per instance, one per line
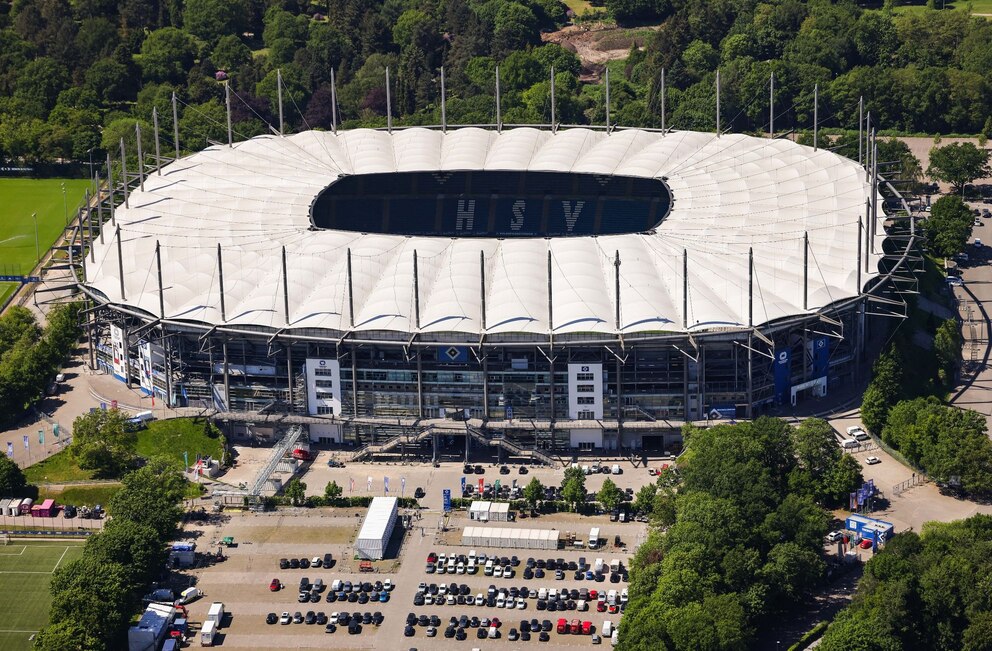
(25, 570)
(19, 198)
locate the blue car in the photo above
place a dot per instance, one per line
(590, 576)
(383, 597)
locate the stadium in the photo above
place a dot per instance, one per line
(546, 288)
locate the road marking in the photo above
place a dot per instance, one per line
(60, 560)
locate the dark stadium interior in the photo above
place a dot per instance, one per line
(492, 204)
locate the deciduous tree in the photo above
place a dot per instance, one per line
(958, 163)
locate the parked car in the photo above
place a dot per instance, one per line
(871, 461)
(271, 618)
(275, 585)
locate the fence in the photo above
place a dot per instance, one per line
(915, 480)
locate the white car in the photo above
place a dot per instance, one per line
(284, 618)
(479, 599)
(333, 618)
(508, 572)
(871, 461)
(521, 603)
(388, 585)
(450, 600)
(615, 469)
(834, 536)
(501, 602)
(955, 281)
(624, 596)
(460, 568)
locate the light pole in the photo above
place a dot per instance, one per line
(37, 250)
(65, 206)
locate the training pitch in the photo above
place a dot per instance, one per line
(25, 570)
(19, 198)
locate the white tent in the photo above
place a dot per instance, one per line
(498, 537)
(377, 528)
(499, 512)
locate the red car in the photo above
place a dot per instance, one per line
(593, 594)
(614, 608)
(495, 622)
(865, 544)
(275, 585)
(562, 625)
(432, 558)
(587, 628)
(601, 606)
(575, 627)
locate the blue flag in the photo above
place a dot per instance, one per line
(10, 449)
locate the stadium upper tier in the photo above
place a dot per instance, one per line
(724, 197)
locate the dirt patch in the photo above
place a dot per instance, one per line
(598, 43)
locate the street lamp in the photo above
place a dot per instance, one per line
(65, 206)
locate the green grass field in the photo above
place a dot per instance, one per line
(80, 495)
(979, 7)
(56, 469)
(25, 570)
(170, 438)
(19, 198)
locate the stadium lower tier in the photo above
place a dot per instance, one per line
(584, 395)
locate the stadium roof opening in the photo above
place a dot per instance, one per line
(487, 203)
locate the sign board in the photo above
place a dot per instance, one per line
(447, 500)
(119, 352)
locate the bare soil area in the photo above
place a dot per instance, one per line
(598, 43)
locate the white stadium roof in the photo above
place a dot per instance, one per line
(731, 194)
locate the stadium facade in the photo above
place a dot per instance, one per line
(557, 288)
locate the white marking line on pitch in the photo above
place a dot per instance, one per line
(20, 553)
(60, 560)
(9, 631)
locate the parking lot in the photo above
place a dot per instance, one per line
(243, 581)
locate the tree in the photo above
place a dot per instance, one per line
(533, 492)
(573, 487)
(644, 499)
(12, 481)
(296, 491)
(167, 54)
(39, 84)
(212, 19)
(515, 27)
(959, 163)
(67, 635)
(136, 547)
(150, 496)
(947, 343)
(332, 491)
(609, 495)
(230, 53)
(639, 10)
(96, 595)
(103, 441)
(884, 390)
(949, 226)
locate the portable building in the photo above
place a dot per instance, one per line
(377, 528)
(870, 528)
(5, 506)
(479, 510)
(151, 629)
(216, 613)
(207, 633)
(26, 505)
(499, 512)
(182, 555)
(46, 509)
(510, 538)
(14, 508)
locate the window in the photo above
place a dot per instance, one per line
(586, 415)
(325, 411)
(323, 371)
(586, 400)
(585, 388)
(324, 384)
(585, 377)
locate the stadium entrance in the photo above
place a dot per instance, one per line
(492, 204)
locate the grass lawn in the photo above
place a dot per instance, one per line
(19, 198)
(171, 438)
(56, 469)
(6, 289)
(25, 570)
(982, 7)
(80, 495)
(578, 6)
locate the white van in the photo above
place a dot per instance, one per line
(611, 597)
(607, 628)
(542, 593)
(207, 632)
(615, 469)
(847, 444)
(471, 556)
(489, 567)
(336, 585)
(189, 594)
(598, 567)
(614, 565)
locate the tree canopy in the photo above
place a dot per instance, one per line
(949, 226)
(958, 163)
(102, 440)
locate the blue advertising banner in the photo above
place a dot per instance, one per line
(820, 356)
(783, 375)
(463, 485)
(447, 500)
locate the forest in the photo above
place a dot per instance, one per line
(76, 77)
